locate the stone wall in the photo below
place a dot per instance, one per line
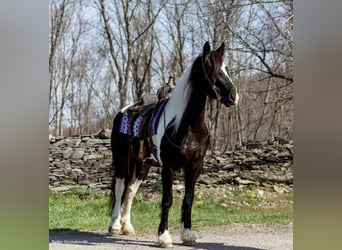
(85, 162)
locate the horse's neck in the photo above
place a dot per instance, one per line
(194, 113)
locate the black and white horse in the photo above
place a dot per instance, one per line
(181, 141)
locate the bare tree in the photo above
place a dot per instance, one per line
(105, 54)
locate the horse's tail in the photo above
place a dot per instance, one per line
(122, 166)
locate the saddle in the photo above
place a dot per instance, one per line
(140, 121)
(142, 107)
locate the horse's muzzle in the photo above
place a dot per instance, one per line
(233, 98)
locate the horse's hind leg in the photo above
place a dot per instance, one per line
(114, 227)
(132, 189)
(120, 144)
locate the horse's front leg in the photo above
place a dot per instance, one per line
(164, 237)
(188, 237)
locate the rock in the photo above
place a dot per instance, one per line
(260, 193)
(93, 142)
(224, 205)
(87, 159)
(103, 134)
(229, 167)
(206, 180)
(92, 157)
(281, 140)
(179, 187)
(85, 138)
(76, 153)
(278, 189)
(61, 189)
(77, 170)
(246, 182)
(254, 145)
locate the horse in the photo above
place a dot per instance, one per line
(180, 143)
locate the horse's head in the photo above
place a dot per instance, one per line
(220, 85)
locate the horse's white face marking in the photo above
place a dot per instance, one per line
(236, 99)
(223, 69)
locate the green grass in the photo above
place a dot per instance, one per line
(78, 210)
(85, 210)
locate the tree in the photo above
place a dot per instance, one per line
(105, 54)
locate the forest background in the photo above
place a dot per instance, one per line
(105, 54)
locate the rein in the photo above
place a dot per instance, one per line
(182, 145)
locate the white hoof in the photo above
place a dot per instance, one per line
(165, 240)
(127, 229)
(187, 236)
(114, 229)
(113, 232)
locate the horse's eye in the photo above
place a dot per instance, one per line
(227, 69)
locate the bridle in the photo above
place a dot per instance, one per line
(218, 98)
(212, 83)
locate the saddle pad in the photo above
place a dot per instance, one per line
(131, 126)
(125, 124)
(136, 126)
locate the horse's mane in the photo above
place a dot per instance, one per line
(180, 97)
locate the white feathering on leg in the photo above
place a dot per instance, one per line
(188, 237)
(114, 227)
(165, 240)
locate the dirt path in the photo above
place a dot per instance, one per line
(232, 237)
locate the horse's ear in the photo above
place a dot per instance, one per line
(220, 50)
(206, 49)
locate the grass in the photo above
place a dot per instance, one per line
(86, 210)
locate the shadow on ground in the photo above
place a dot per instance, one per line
(75, 237)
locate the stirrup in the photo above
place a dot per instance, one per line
(151, 161)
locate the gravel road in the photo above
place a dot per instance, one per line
(232, 237)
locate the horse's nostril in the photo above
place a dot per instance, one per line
(231, 97)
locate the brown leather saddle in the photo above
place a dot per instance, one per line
(142, 107)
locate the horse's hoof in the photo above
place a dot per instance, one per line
(188, 237)
(165, 244)
(128, 232)
(165, 240)
(127, 229)
(189, 242)
(113, 232)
